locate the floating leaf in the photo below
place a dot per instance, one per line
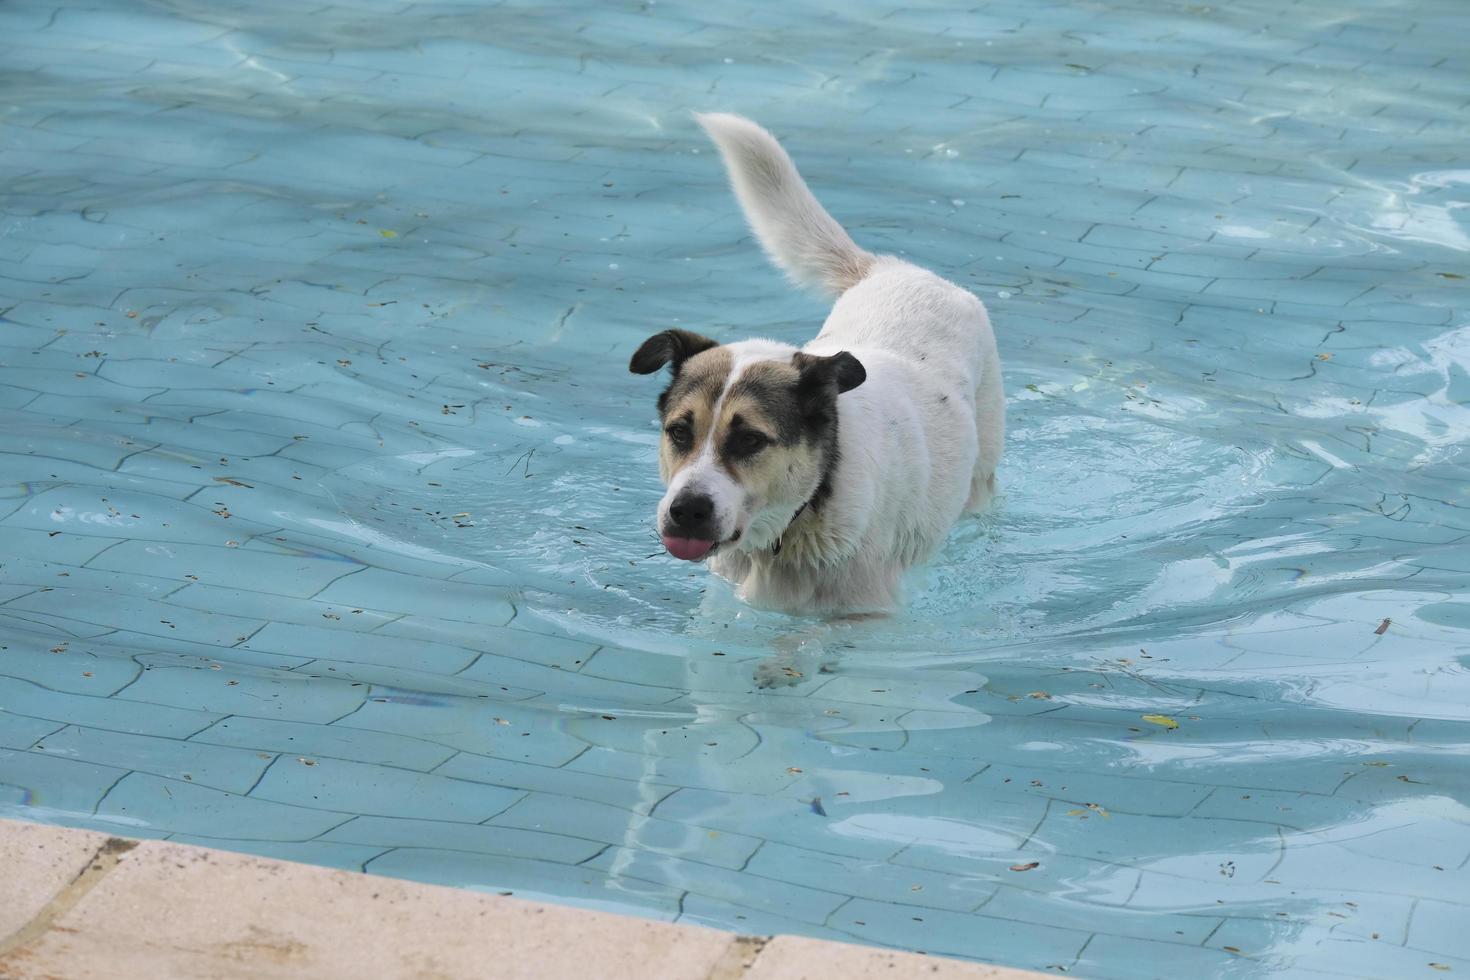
(1163, 720)
(1026, 867)
(388, 234)
(1383, 626)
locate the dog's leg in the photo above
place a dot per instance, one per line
(990, 433)
(813, 650)
(798, 656)
(982, 491)
(733, 567)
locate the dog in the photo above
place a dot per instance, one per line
(812, 478)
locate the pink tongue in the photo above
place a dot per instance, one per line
(689, 549)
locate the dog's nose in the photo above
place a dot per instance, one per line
(691, 514)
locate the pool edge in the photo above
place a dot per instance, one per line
(85, 904)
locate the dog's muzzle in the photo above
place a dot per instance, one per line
(689, 532)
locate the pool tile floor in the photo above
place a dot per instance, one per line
(325, 496)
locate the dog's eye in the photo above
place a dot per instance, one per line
(747, 443)
(680, 435)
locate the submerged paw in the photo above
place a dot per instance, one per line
(777, 672)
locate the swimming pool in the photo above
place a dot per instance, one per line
(326, 494)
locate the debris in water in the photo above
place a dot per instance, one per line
(1383, 626)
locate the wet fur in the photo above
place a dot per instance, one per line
(887, 426)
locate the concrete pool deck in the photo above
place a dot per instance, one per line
(79, 904)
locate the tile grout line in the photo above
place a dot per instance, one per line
(107, 857)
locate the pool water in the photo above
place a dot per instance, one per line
(325, 495)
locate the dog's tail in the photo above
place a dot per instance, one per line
(798, 235)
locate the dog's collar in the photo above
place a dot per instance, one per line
(823, 491)
(776, 548)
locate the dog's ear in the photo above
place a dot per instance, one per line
(821, 374)
(670, 347)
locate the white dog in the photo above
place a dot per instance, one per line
(813, 478)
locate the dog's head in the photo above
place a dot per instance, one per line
(749, 436)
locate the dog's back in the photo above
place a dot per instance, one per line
(884, 303)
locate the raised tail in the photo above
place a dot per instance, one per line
(798, 235)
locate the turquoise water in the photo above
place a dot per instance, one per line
(325, 495)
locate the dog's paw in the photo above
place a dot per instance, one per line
(777, 672)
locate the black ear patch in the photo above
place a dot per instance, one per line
(821, 380)
(841, 370)
(670, 347)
